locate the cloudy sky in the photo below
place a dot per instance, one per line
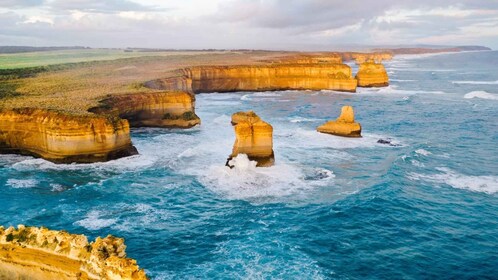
(260, 24)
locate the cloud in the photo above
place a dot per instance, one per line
(99, 6)
(20, 3)
(263, 24)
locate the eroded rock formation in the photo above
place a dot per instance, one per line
(64, 138)
(342, 126)
(160, 109)
(271, 77)
(39, 253)
(371, 74)
(253, 137)
(360, 58)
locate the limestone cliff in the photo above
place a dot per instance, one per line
(365, 57)
(39, 253)
(344, 125)
(371, 74)
(64, 138)
(331, 58)
(254, 138)
(271, 77)
(157, 109)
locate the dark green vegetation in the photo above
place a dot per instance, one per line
(23, 49)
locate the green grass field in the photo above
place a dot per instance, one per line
(35, 59)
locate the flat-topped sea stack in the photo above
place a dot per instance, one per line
(371, 74)
(64, 138)
(253, 137)
(332, 76)
(342, 126)
(39, 253)
(168, 109)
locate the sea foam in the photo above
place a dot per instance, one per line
(476, 82)
(486, 184)
(482, 95)
(22, 183)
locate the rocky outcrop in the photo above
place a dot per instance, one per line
(344, 125)
(371, 74)
(330, 58)
(64, 138)
(39, 253)
(271, 77)
(254, 138)
(168, 109)
(360, 58)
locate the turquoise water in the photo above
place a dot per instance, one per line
(331, 208)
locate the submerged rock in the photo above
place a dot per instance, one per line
(343, 126)
(253, 137)
(39, 253)
(371, 74)
(388, 141)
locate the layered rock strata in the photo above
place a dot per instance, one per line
(167, 109)
(39, 253)
(64, 138)
(359, 58)
(371, 74)
(253, 137)
(271, 77)
(345, 125)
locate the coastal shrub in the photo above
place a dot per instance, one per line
(7, 90)
(168, 116)
(9, 237)
(188, 116)
(136, 86)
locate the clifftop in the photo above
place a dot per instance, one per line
(39, 253)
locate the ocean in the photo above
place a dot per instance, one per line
(423, 206)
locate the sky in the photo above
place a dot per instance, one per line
(248, 24)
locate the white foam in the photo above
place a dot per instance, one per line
(476, 82)
(94, 222)
(482, 95)
(301, 119)
(246, 181)
(127, 164)
(401, 80)
(393, 90)
(22, 183)
(485, 184)
(423, 152)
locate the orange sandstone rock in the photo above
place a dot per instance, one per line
(39, 253)
(158, 109)
(343, 126)
(271, 77)
(371, 74)
(64, 138)
(254, 138)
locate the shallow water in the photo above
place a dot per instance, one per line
(331, 207)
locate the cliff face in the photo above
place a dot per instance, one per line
(160, 109)
(64, 138)
(343, 126)
(271, 77)
(39, 253)
(372, 75)
(365, 57)
(254, 138)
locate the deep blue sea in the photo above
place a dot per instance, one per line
(331, 208)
